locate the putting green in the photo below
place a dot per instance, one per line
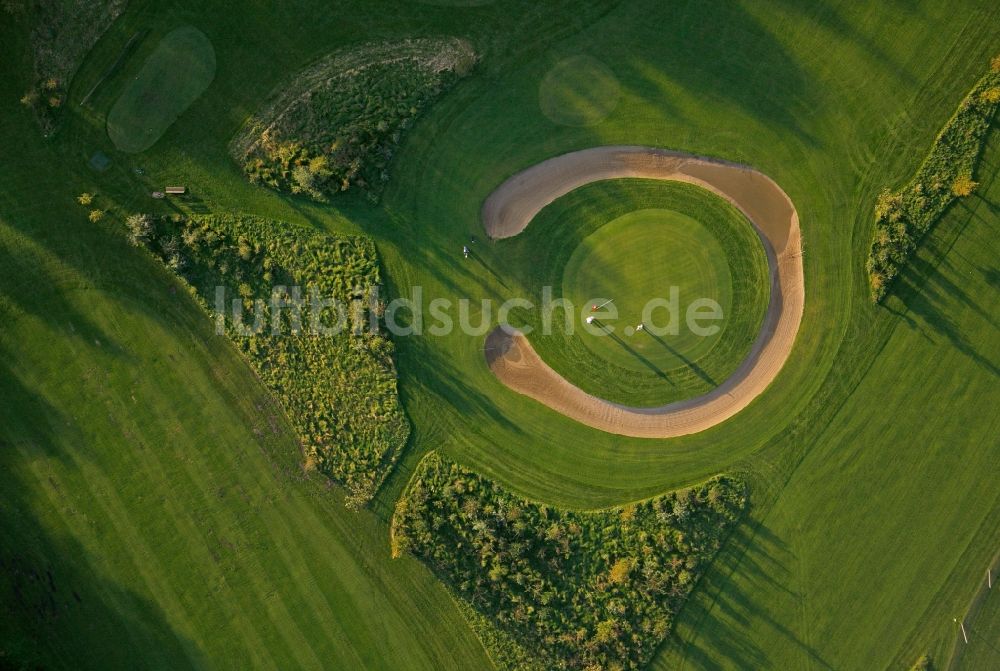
(631, 240)
(641, 259)
(174, 76)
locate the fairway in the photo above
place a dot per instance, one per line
(814, 486)
(173, 77)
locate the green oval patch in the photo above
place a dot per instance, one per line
(174, 76)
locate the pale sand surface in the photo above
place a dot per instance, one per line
(512, 206)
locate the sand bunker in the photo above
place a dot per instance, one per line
(512, 206)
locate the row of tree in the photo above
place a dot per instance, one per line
(902, 218)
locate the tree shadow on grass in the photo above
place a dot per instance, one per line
(56, 605)
(928, 292)
(713, 627)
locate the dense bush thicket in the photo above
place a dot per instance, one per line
(62, 33)
(338, 390)
(903, 217)
(579, 590)
(338, 124)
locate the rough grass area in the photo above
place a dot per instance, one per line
(338, 387)
(337, 124)
(62, 33)
(174, 75)
(902, 218)
(577, 590)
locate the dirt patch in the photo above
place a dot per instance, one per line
(512, 206)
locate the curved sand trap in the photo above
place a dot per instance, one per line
(512, 206)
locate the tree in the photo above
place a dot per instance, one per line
(607, 631)
(304, 180)
(620, 571)
(140, 228)
(95, 216)
(85, 198)
(963, 185)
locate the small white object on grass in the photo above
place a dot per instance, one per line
(590, 320)
(962, 625)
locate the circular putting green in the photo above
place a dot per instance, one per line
(652, 264)
(633, 241)
(174, 76)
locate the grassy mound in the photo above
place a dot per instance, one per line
(631, 240)
(902, 218)
(338, 389)
(173, 77)
(336, 125)
(578, 91)
(577, 590)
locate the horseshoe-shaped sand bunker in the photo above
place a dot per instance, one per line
(512, 206)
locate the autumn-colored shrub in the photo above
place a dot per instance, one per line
(337, 124)
(902, 218)
(337, 388)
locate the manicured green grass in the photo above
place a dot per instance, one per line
(337, 123)
(631, 241)
(578, 91)
(637, 258)
(982, 625)
(173, 77)
(181, 519)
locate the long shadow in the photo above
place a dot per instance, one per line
(713, 627)
(926, 291)
(628, 348)
(985, 640)
(695, 57)
(695, 368)
(479, 258)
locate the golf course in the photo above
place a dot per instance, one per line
(499, 334)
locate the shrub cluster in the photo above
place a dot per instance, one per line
(338, 124)
(579, 590)
(903, 217)
(339, 391)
